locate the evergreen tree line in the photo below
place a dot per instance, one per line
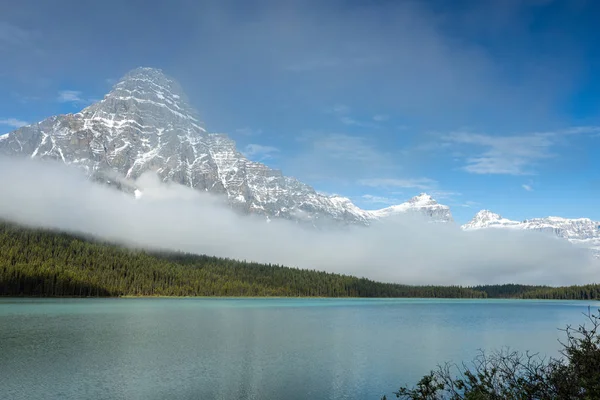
(584, 292)
(38, 262)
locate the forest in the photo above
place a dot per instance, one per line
(39, 262)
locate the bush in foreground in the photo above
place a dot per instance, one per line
(509, 375)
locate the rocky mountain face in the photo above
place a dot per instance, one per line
(581, 231)
(146, 124)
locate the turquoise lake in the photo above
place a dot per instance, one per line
(256, 348)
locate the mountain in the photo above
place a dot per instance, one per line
(581, 231)
(145, 123)
(488, 219)
(423, 203)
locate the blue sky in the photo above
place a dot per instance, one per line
(484, 104)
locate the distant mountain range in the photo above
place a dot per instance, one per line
(580, 231)
(145, 123)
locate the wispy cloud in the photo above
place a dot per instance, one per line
(259, 152)
(13, 122)
(328, 62)
(340, 109)
(314, 64)
(511, 155)
(373, 199)
(13, 35)
(246, 131)
(350, 121)
(25, 99)
(69, 96)
(528, 188)
(469, 204)
(418, 183)
(346, 147)
(343, 114)
(381, 118)
(322, 158)
(444, 194)
(74, 97)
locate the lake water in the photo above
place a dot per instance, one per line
(255, 348)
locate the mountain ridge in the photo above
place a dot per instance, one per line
(582, 232)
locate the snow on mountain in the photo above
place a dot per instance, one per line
(582, 232)
(579, 229)
(488, 219)
(423, 203)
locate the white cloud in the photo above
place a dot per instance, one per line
(372, 199)
(75, 97)
(246, 131)
(259, 152)
(444, 194)
(314, 64)
(325, 158)
(169, 216)
(345, 147)
(417, 183)
(381, 118)
(340, 109)
(342, 112)
(325, 63)
(13, 122)
(69, 96)
(13, 35)
(528, 188)
(349, 121)
(511, 155)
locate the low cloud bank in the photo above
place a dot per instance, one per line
(405, 250)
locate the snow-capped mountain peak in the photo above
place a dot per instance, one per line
(487, 219)
(149, 92)
(422, 203)
(422, 200)
(579, 231)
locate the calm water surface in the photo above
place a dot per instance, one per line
(254, 348)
